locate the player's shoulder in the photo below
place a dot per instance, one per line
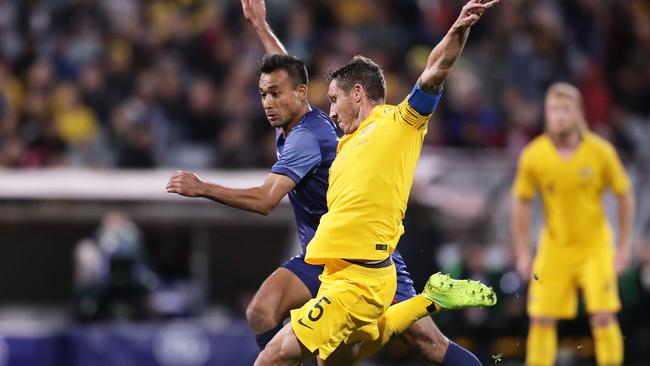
(318, 123)
(384, 112)
(536, 146)
(597, 143)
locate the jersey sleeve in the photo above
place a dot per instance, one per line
(300, 155)
(615, 175)
(524, 186)
(417, 108)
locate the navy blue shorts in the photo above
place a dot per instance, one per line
(308, 274)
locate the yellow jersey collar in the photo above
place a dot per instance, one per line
(372, 117)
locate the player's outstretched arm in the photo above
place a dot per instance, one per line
(522, 212)
(625, 223)
(445, 54)
(255, 13)
(261, 200)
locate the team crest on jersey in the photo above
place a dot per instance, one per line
(367, 130)
(586, 172)
(550, 187)
(363, 135)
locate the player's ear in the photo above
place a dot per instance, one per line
(358, 93)
(301, 91)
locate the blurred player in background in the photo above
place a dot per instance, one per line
(369, 184)
(570, 167)
(306, 146)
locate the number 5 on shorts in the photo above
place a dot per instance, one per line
(320, 309)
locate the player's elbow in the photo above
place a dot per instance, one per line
(265, 208)
(265, 211)
(433, 79)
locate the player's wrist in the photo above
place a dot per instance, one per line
(203, 190)
(458, 28)
(261, 25)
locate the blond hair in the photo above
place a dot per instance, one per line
(562, 89)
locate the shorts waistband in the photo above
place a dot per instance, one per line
(383, 264)
(361, 268)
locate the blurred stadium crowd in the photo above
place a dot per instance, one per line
(138, 84)
(161, 83)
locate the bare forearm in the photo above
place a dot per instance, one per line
(272, 44)
(625, 219)
(249, 199)
(442, 59)
(521, 221)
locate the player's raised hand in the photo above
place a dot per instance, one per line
(472, 12)
(185, 184)
(254, 11)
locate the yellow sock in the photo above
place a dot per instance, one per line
(541, 346)
(608, 342)
(395, 320)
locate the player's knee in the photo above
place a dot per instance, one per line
(261, 318)
(267, 358)
(543, 322)
(602, 319)
(276, 352)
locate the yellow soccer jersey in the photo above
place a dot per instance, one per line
(369, 185)
(571, 189)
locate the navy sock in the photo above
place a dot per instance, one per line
(264, 338)
(459, 356)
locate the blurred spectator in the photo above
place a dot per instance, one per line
(112, 277)
(185, 72)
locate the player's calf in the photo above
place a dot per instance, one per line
(425, 338)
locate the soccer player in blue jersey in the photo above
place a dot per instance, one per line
(306, 147)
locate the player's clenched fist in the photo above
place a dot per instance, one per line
(185, 184)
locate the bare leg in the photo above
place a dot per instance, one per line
(425, 338)
(284, 350)
(280, 292)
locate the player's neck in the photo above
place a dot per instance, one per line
(304, 109)
(566, 141)
(364, 111)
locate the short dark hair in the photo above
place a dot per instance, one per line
(292, 65)
(364, 71)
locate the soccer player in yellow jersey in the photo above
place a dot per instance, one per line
(369, 185)
(570, 168)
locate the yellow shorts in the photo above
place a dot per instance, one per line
(557, 278)
(349, 302)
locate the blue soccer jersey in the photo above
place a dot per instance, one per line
(305, 155)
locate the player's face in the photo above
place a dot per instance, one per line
(343, 108)
(280, 98)
(562, 114)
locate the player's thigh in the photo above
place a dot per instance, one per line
(599, 283)
(323, 323)
(553, 290)
(281, 292)
(350, 300)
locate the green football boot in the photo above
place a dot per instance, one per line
(450, 294)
